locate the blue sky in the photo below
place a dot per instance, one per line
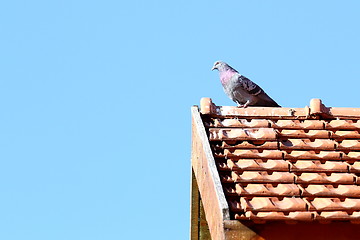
(95, 101)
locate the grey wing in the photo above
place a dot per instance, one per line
(248, 85)
(262, 99)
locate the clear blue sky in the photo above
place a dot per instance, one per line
(95, 101)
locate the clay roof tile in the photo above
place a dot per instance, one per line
(286, 164)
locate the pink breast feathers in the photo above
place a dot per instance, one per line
(225, 76)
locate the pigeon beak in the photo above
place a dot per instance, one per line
(213, 68)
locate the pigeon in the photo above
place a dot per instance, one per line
(240, 89)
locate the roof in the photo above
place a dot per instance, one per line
(263, 165)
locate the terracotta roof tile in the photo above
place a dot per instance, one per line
(298, 124)
(349, 144)
(266, 204)
(323, 178)
(345, 134)
(258, 165)
(299, 133)
(268, 190)
(312, 155)
(333, 215)
(262, 177)
(254, 153)
(340, 191)
(318, 166)
(354, 167)
(342, 124)
(243, 123)
(242, 134)
(307, 144)
(253, 144)
(299, 216)
(288, 164)
(350, 156)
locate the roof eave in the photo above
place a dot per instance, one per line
(212, 196)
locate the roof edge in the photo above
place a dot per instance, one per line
(203, 163)
(316, 110)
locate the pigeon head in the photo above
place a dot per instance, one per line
(222, 66)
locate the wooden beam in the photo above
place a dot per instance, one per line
(207, 177)
(208, 184)
(194, 208)
(204, 232)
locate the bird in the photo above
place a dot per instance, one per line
(240, 89)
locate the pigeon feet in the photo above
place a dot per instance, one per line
(243, 105)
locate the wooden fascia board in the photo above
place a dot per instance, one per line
(211, 193)
(194, 208)
(207, 177)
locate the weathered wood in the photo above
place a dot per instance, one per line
(207, 177)
(213, 200)
(204, 232)
(194, 208)
(234, 230)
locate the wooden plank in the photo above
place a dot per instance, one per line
(194, 208)
(212, 196)
(235, 230)
(204, 233)
(210, 188)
